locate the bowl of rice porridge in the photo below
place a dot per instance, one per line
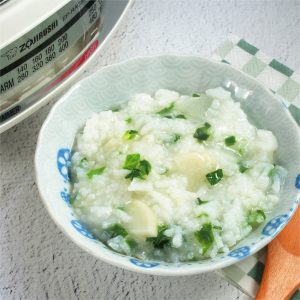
(169, 165)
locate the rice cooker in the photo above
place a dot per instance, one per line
(45, 45)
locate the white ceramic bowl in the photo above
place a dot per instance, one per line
(114, 85)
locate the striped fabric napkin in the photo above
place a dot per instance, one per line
(285, 84)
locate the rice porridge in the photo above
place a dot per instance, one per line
(174, 177)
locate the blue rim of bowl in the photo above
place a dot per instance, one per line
(165, 269)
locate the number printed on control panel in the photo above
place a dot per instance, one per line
(22, 68)
(22, 72)
(37, 57)
(37, 62)
(63, 43)
(50, 57)
(37, 66)
(50, 53)
(50, 49)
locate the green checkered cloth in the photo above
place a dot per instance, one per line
(285, 84)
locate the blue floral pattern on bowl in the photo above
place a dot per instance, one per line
(63, 162)
(297, 183)
(82, 229)
(143, 264)
(240, 252)
(65, 196)
(273, 225)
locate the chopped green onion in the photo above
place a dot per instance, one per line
(91, 173)
(177, 137)
(205, 237)
(216, 227)
(116, 230)
(181, 116)
(130, 134)
(242, 147)
(176, 117)
(255, 217)
(135, 173)
(139, 168)
(161, 240)
(121, 208)
(132, 161)
(165, 111)
(132, 244)
(72, 200)
(243, 167)
(272, 172)
(203, 215)
(128, 120)
(207, 125)
(277, 172)
(115, 109)
(195, 95)
(200, 202)
(192, 259)
(82, 162)
(144, 167)
(202, 134)
(174, 138)
(84, 159)
(277, 177)
(230, 140)
(165, 171)
(215, 176)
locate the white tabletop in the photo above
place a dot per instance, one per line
(37, 261)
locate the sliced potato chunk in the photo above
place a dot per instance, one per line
(164, 94)
(111, 145)
(143, 222)
(195, 166)
(218, 93)
(193, 107)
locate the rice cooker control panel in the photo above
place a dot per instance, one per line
(35, 63)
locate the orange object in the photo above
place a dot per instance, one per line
(281, 277)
